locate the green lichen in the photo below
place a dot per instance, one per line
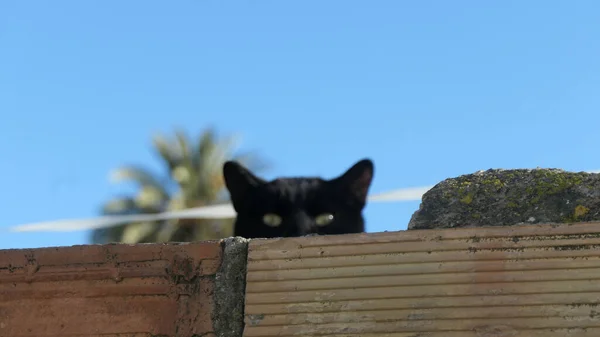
(494, 182)
(580, 211)
(467, 199)
(463, 187)
(551, 182)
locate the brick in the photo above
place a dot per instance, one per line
(88, 316)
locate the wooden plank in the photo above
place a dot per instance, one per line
(583, 230)
(591, 299)
(470, 266)
(581, 251)
(423, 247)
(569, 273)
(348, 292)
(422, 326)
(482, 311)
(527, 281)
(484, 331)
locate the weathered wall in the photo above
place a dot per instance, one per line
(517, 281)
(525, 281)
(111, 290)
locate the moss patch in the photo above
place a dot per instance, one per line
(580, 211)
(467, 199)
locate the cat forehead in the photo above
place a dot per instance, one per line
(294, 187)
(294, 190)
(295, 183)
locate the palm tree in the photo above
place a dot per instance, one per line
(194, 179)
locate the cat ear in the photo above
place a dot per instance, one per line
(239, 181)
(358, 179)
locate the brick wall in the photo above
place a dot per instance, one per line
(112, 290)
(518, 281)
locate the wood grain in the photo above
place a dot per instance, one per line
(517, 281)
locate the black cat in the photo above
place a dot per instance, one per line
(300, 206)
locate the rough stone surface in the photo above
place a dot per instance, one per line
(509, 197)
(230, 288)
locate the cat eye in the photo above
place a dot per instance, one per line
(272, 220)
(324, 219)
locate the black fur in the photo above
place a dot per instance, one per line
(298, 202)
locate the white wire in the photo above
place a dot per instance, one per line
(404, 194)
(223, 211)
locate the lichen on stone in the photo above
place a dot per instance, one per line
(467, 199)
(580, 211)
(499, 197)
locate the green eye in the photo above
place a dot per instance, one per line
(324, 219)
(272, 220)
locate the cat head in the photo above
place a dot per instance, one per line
(298, 206)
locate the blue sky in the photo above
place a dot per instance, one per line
(427, 89)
